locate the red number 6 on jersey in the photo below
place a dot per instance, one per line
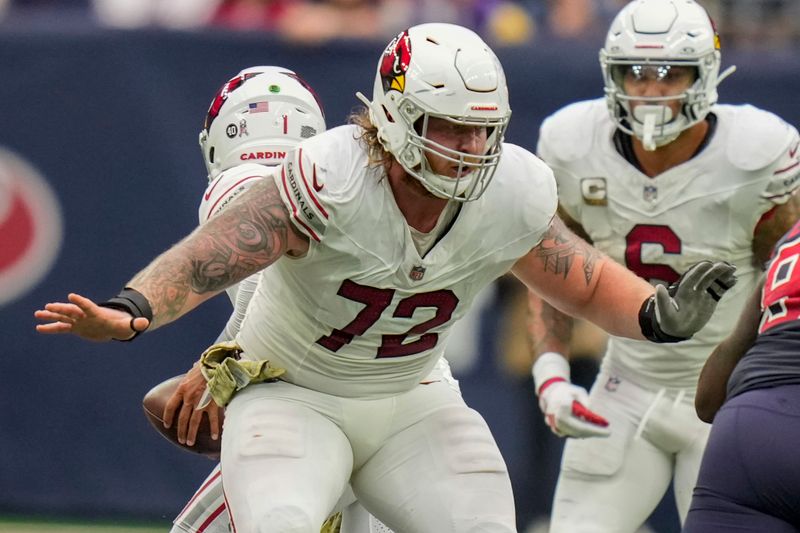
(651, 234)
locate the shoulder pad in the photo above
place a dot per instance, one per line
(228, 185)
(568, 134)
(533, 186)
(757, 138)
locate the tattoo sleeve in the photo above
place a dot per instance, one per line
(249, 235)
(549, 330)
(560, 248)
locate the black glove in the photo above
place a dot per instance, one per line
(677, 312)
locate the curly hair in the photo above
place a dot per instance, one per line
(378, 156)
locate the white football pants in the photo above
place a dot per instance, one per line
(612, 485)
(421, 461)
(207, 511)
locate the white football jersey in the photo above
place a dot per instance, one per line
(362, 314)
(705, 208)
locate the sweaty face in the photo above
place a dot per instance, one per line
(443, 139)
(655, 81)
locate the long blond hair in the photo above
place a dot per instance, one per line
(378, 156)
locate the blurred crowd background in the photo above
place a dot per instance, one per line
(750, 23)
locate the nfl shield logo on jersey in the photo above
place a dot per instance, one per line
(650, 193)
(416, 273)
(613, 383)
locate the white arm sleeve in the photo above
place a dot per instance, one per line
(246, 288)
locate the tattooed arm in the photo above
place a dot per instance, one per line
(550, 330)
(251, 234)
(578, 280)
(571, 275)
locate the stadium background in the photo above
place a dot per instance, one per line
(110, 119)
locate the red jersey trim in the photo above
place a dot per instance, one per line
(225, 194)
(311, 194)
(295, 214)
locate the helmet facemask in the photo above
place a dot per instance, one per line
(650, 118)
(474, 171)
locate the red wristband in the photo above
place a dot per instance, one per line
(548, 383)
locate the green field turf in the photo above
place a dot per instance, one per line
(21, 525)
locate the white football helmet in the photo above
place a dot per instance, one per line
(661, 34)
(448, 72)
(257, 117)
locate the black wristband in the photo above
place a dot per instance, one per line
(133, 302)
(649, 324)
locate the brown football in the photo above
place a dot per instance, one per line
(153, 404)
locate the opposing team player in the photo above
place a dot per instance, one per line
(373, 239)
(658, 176)
(750, 478)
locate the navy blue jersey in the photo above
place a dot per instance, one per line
(774, 358)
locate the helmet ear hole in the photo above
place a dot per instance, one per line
(211, 155)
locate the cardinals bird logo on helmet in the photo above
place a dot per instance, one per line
(394, 63)
(222, 95)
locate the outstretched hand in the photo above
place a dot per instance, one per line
(84, 318)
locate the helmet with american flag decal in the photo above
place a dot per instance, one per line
(257, 117)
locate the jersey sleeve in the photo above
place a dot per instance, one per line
(550, 149)
(302, 185)
(785, 172)
(227, 186)
(533, 195)
(764, 144)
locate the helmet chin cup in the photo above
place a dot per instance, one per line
(647, 118)
(410, 158)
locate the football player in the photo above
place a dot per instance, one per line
(658, 176)
(255, 118)
(750, 478)
(372, 239)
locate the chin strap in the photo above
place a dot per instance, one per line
(725, 73)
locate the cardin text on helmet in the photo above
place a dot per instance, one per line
(262, 155)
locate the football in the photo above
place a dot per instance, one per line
(153, 404)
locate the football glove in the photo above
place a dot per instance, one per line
(565, 405)
(677, 312)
